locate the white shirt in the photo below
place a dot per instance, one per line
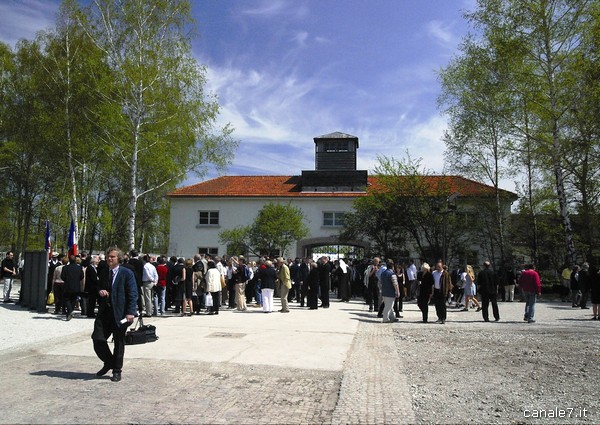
(411, 272)
(381, 269)
(437, 275)
(149, 273)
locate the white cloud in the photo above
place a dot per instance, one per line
(23, 19)
(276, 8)
(442, 32)
(421, 139)
(263, 106)
(300, 38)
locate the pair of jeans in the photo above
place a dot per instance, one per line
(258, 293)
(159, 299)
(8, 283)
(530, 299)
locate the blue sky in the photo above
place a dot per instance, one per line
(286, 71)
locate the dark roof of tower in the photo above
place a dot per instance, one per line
(336, 135)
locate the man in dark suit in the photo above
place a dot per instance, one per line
(488, 288)
(137, 266)
(72, 275)
(325, 280)
(91, 284)
(118, 298)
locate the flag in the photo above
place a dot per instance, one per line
(72, 239)
(47, 245)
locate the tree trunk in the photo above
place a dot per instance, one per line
(133, 196)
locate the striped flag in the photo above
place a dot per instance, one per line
(72, 239)
(47, 245)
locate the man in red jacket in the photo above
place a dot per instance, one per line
(531, 286)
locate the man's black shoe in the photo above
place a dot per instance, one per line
(103, 371)
(116, 377)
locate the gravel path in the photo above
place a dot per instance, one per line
(20, 327)
(506, 372)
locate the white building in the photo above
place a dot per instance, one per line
(200, 212)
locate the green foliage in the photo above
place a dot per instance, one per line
(406, 207)
(99, 118)
(522, 95)
(237, 240)
(275, 228)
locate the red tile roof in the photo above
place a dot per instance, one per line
(290, 186)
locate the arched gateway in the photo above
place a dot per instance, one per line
(309, 247)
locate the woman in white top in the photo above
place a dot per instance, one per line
(213, 279)
(468, 278)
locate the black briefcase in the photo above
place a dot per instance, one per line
(141, 333)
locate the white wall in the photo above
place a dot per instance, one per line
(186, 236)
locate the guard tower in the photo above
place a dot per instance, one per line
(335, 166)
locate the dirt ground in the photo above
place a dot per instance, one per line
(469, 371)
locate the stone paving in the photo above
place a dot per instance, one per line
(54, 380)
(64, 389)
(374, 390)
(47, 389)
(190, 377)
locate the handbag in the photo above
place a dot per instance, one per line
(50, 299)
(141, 333)
(208, 300)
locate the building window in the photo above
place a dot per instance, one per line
(335, 219)
(209, 218)
(210, 251)
(336, 146)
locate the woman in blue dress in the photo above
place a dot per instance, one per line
(468, 278)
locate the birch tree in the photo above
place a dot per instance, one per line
(540, 40)
(478, 140)
(164, 122)
(69, 59)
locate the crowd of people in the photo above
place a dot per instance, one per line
(205, 285)
(116, 288)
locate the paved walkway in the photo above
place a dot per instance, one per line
(302, 367)
(374, 390)
(333, 366)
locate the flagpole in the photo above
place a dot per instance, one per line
(47, 243)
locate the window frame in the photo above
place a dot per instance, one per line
(210, 216)
(337, 218)
(212, 251)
